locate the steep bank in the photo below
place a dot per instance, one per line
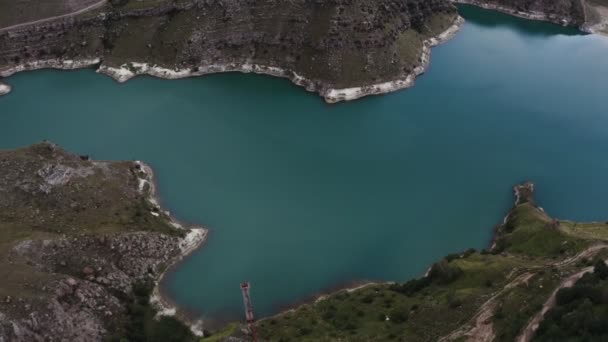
(491, 295)
(328, 47)
(77, 238)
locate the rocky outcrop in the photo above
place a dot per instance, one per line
(321, 45)
(84, 303)
(76, 235)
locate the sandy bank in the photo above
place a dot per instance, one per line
(67, 64)
(335, 95)
(127, 71)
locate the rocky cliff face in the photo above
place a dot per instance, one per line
(331, 44)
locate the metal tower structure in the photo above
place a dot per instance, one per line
(248, 309)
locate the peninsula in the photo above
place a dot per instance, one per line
(587, 15)
(538, 270)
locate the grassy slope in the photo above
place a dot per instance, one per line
(532, 255)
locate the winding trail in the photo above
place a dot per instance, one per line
(528, 332)
(480, 329)
(45, 20)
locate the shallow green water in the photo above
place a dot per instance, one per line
(301, 196)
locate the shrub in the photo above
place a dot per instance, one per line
(411, 286)
(444, 273)
(453, 301)
(601, 270)
(398, 315)
(367, 299)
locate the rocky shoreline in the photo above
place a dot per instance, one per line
(193, 240)
(129, 70)
(335, 95)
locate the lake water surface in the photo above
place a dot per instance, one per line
(302, 197)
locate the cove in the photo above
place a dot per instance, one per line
(302, 197)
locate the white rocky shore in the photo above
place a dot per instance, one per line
(4, 89)
(130, 70)
(194, 238)
(67, 64)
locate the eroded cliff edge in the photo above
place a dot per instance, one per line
(342, 49)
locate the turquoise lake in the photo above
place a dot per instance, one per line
(302, 197)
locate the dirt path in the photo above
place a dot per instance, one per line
(45, 20)
(586, 254)
(528, 332)
(479, 328)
